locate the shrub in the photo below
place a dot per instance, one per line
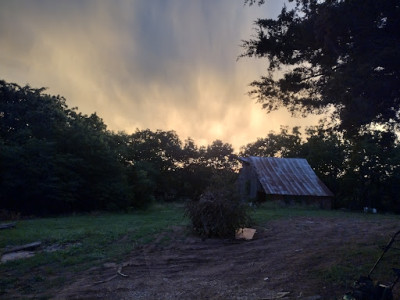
(218, 212)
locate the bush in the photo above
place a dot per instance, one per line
(218, 212)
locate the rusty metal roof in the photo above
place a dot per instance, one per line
(287, 176)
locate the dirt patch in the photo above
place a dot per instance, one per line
(284, 258)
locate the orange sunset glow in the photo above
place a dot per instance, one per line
(169, 65)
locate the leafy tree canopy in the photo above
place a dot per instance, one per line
(281, 145)
(337, 55)
(54, 159)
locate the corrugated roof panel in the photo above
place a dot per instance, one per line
(287, 176)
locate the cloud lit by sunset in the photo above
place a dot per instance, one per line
(169, 65)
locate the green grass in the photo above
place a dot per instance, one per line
(272, 211)
(357, 261)
(92, 239)
(97, 228)
(85, 241)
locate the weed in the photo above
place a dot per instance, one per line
(218, 213)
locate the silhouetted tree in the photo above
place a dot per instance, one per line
(278, 145)
(54, 159)
(332, 54)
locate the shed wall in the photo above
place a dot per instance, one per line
(248, 182)
(293, 179)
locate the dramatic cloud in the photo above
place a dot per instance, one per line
(156, 64)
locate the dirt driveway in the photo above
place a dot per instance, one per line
(285, 260)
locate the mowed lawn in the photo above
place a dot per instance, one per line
(72, 244)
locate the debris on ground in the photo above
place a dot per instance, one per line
(19, 252)
(279, 295)
(16, 255)
(26, 247)
(8, 225)
(245, 233)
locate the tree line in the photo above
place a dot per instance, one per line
(54, 159)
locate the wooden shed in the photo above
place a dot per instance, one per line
(284, 179)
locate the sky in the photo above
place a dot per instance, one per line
(159, 64)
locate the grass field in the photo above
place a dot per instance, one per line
(84, 241)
